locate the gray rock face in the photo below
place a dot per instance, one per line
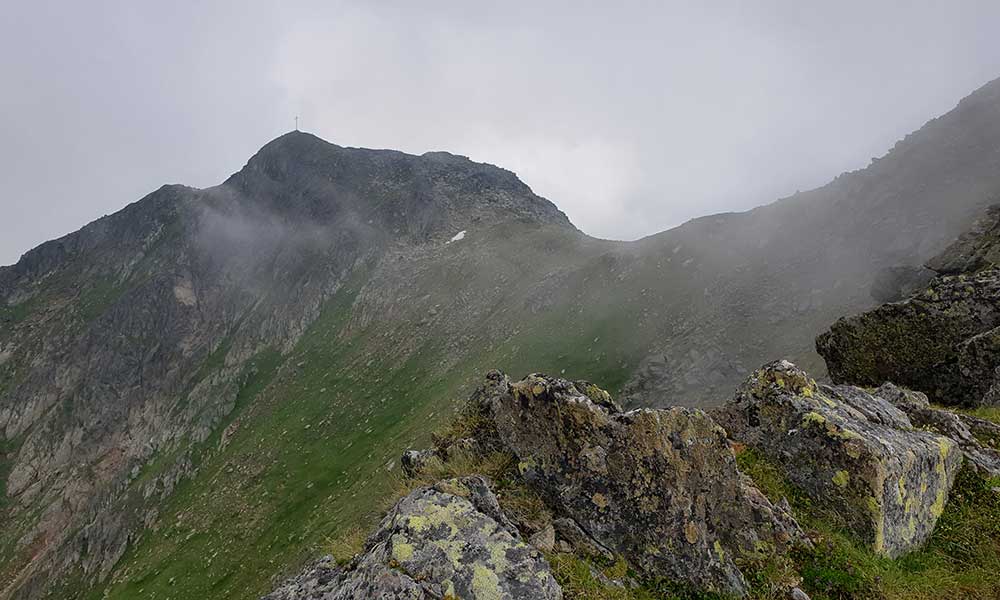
(444, 541)
(659, 487)
(963, 429)
(854, 452)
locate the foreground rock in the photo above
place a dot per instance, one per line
(449, 540)
(659, 487)
(854, 452)
(944, 340)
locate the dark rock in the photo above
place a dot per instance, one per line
(857, 454)
(942, 341)
(578, 540)
(414, 462)
(659, 487)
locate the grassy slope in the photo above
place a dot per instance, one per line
(316, 450)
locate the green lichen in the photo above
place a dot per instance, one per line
(813, 418)
(485, 583)
(402, 551)
(841, 479)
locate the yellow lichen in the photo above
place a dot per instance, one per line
(719, 551)
(813, 418)
(401, 550)
(841, 479)
(942, 496)
(600, 500)
(875, 510)
(485, 583)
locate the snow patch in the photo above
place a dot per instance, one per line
(458, 236)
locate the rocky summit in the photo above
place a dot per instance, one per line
(201, 390)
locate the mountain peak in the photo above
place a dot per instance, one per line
(434, 191)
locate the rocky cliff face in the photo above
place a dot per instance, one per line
(158, 368)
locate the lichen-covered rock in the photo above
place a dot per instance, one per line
(659, 487)
(962, 429)
(449, 540)
(942, 341)
(857, 454)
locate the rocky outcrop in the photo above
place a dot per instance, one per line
(658, 487)
(944, 340)
(977, 438)
(854, 452)
(449, 540)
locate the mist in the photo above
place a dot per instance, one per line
(632, 119)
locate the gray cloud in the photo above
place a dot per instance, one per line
(631, 118)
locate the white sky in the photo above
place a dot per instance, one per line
(631, 116)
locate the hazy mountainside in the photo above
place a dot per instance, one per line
(197, 390)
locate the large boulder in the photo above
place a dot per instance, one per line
(943, 341)
(659, 487)
(853, 452)
(449, 540)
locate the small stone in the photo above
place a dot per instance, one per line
(797, 594)
(544, 540)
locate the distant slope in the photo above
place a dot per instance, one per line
(197, 391)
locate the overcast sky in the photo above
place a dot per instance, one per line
(631, 116)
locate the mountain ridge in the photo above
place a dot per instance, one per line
(179, 345)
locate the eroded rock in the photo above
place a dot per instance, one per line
(854, 452)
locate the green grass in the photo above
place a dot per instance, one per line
(990, 413)
(306, 463)
(961, 559)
